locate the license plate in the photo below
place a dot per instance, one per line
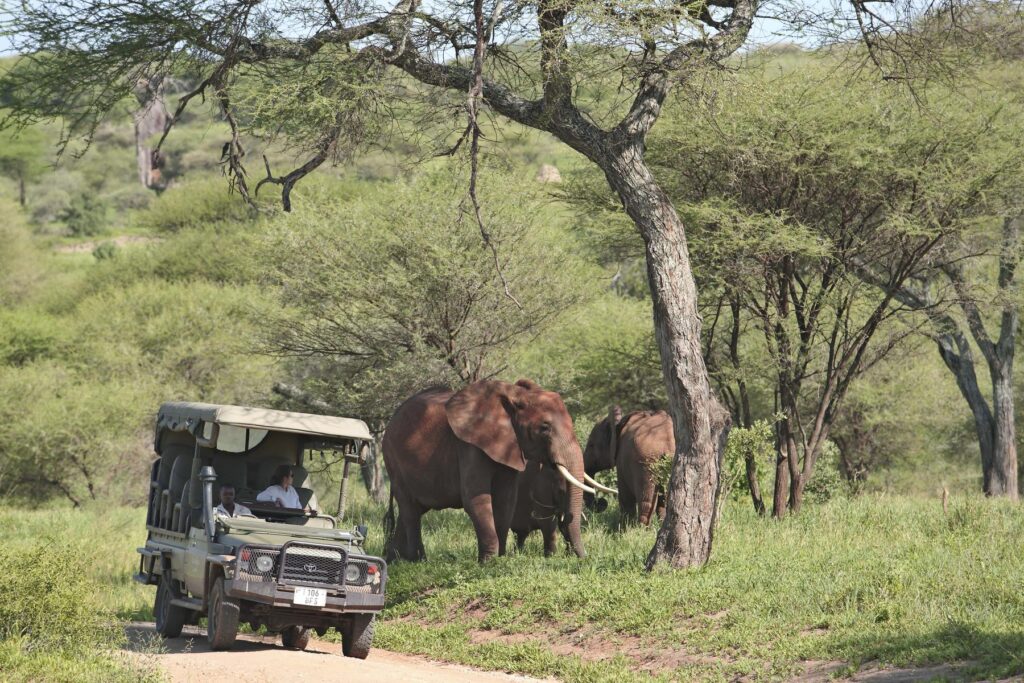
(314, 597)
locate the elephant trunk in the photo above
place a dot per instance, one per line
(572, 515)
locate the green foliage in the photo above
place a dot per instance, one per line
(27, 335)
(827, 482)
(104, 251)
(19, 260)
(23, 156)
(200, 203)
(64, 578)
(86, 215)
(47, 597)
(756, 443)
(601, 354)
(395, 290)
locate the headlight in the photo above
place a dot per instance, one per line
(353, 574)
(264, 563)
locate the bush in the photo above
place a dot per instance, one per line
(26, 336)
(86, 215)
(195, 204)
(48, 599)
(757, 442)
(54, 625)
(827, 481)
(104, 251)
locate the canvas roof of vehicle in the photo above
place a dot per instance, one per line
(186, 416)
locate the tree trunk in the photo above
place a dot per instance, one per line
(373, 472)
(150, 119)
(21, 190)
(785, 451)
(754, 486)
(701, 423)
(1002, 479)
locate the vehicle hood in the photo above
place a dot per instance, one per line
(237, 532)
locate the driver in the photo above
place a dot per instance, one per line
(228, 507)
(281, 492)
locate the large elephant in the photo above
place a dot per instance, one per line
(632, 445)
(467, 449)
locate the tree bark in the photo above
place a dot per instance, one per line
(150, 119)
(1002, 480)
(701, 422)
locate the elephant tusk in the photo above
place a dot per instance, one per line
(598, 485)
(573, 480)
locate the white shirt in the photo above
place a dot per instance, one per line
(240, 511)
(289, 497)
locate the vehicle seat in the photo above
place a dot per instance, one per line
(183, 509)
(181, 470)
(230, 470)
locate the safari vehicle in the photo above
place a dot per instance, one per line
(290, 570)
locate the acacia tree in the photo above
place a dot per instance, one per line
(814, 180)
(319, 71)
(937, 294)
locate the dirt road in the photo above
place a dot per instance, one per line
(254, 660)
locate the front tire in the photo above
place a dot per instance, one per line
(169, 618)
(222, 619)
(295, 637)
(357, 636)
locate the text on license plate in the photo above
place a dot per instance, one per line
(316, 597)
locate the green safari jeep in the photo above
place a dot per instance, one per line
(292, 570)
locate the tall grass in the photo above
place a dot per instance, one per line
(889, 580)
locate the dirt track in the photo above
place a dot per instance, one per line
(255, 660)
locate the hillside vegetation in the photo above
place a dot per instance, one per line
(114, 299)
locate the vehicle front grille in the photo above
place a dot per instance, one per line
(312, 564)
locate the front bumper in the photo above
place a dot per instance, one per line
(352, 599)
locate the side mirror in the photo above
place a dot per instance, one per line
(362, 530)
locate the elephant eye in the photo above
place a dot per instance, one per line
(545, 427)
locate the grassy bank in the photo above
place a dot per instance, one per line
(65, 594)
(887, 580)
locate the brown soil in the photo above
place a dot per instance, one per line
(255, 660)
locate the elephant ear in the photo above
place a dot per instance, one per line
(481, 415)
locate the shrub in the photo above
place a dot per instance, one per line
(48, 599)
(195, 204)
(26, 336)
(86, 215)
(827, 482)
(104, 251)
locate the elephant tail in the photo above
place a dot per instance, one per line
(389, 516)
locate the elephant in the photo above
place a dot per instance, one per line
(632, 445)
(466, 449)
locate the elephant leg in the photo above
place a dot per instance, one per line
(627, 505)
(408, 540)
(521, 539)
(550, 531)
(503, 502)
(477, 501)
(648, 498)
(661, 504)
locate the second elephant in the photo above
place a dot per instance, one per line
(633, 444)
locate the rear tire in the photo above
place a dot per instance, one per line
(357, 636)
(222, 619)
(296, 637)
(169, 618)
